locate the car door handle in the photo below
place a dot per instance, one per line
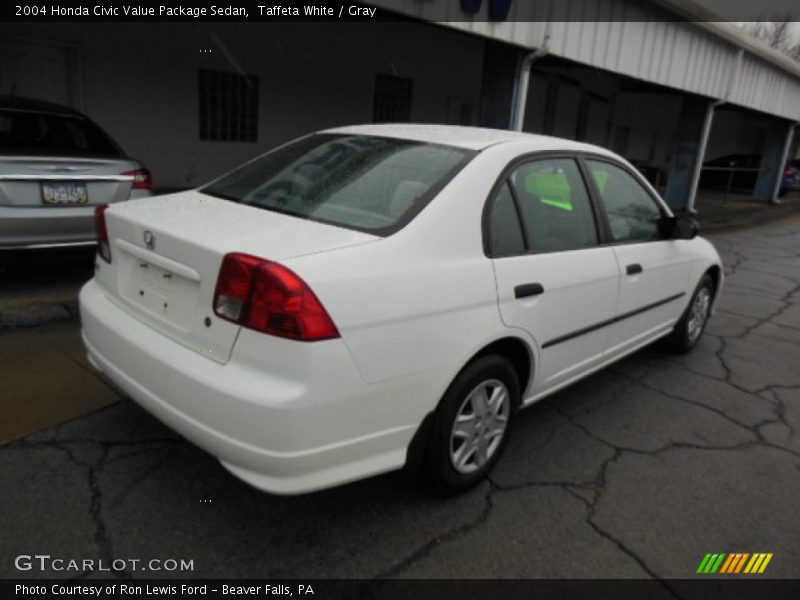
(528, 289)
(634, 269)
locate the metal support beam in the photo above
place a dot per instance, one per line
(774, 153)
(773, 162)
(701, 153)
(696, 117)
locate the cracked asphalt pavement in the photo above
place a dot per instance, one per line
(635, 472)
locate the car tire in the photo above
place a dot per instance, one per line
(472, 425)
(689, 328)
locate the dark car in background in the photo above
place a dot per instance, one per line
(56, 165)
(791, 177)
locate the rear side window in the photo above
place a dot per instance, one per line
(506, 231)
(29, 132)
(632, 212)
(555, 206)
(367, 183)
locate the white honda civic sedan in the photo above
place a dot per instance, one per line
(373, 297)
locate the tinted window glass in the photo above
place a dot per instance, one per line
(363, 182)
(555, 207)
(632, 212)
(27, 132)
(506, 231)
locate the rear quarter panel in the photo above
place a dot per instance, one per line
(423, 298)
(400, 310)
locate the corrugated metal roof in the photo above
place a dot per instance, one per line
(641, 41)
(703, 18)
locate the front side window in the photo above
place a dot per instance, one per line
(368, 183)
(554, 205)
(632, 212)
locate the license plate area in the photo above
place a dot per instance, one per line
(158, 292)
(64, 192)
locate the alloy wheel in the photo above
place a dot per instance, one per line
(698, 314)
(479, 426)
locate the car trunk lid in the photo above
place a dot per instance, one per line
(167, 251)
(49, 182)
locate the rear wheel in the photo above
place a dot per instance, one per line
(692, 323)
(472, 424)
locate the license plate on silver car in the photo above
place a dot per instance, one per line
(64, 193)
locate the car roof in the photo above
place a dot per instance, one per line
(471, 138)
(31, 104)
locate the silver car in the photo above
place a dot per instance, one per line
(56, 165)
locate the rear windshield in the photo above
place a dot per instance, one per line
(30, 132)
(371, 184)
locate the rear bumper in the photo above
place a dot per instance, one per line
(46, 226)
(49, 226)
(279, 433)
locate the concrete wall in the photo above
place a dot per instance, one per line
(140, 82)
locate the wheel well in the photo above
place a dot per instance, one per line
(516, 351)
(715, 274)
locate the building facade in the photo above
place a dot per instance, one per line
(191, 100)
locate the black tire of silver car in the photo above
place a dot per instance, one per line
(472, 425)
(689, 328)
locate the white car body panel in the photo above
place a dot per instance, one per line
(579, 283)
(192, 232)
(412, 309)
(664, 279)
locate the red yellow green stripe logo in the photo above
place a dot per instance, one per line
(732, 563)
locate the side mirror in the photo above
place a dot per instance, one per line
(683, 228)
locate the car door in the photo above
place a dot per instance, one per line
(554, 279)
(654, 272)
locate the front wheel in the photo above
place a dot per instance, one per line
(472, 424)
(692, 323)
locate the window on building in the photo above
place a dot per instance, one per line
(228, 106)
(392, 99)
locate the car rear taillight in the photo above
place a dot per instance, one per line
(142, 180)
(103, 243)
(265, 296)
